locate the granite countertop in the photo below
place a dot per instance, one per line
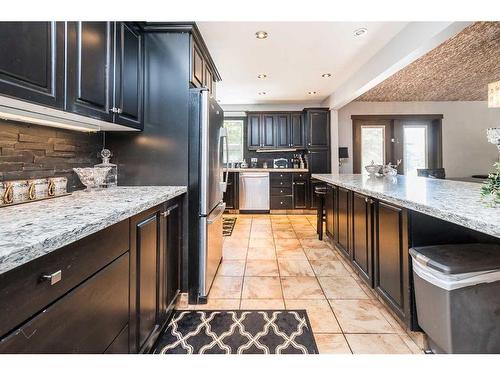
(298, 170)
(453, 201)
(31, 230)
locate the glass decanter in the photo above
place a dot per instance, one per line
(111, 178)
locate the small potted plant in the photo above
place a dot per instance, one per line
(490, 190)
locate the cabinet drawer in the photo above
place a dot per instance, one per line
(280, 191)
(22, 291)
(281, 179)
(281, 203)
(301, 176)
(87, 320)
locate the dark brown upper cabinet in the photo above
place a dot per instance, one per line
(282, 130)
(268, 125)
(90, 69)
(32, 62)
(129, 76)
(198, 68)
(270, 130)
(297, 130)
(202, 74)
(253, 131)
(318, 127)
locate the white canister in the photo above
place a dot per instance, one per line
(57, 186)
(15, 191)
(38, 188)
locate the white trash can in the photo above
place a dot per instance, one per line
(457, 292)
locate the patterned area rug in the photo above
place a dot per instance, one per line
(228, 225)
(238, 332)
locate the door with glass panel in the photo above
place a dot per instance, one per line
(371, 144)
(415, 141)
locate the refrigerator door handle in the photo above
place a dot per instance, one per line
(223, 135)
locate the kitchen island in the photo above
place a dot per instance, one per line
(374, 221)
(93, 272)
(457, 202)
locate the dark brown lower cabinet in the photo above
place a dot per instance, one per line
(155, 271)
(86, 320)
(330, 211)
(343, 219)
(300, 194)
(362, 235)
(391, 277)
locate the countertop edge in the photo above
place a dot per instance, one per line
(479, 226)
(270, 170)
(12, 260)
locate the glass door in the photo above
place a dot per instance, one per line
(372, 145)
(414, 149)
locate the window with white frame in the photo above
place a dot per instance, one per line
(235, 133)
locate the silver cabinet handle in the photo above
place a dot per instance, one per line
(165, 213)
(54, 278)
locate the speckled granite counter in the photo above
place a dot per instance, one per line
(453, 201)
(298, 170)
(31, 230)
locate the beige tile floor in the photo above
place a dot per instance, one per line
(277, 262)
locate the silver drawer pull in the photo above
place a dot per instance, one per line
(165, 213)
(54, 278)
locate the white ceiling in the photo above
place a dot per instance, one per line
(294, 57)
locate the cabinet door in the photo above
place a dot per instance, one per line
(90, 69)
(253, 132)
(173, 246)
(129, 76)
(391, 258)
(146, 246)
(197, 67)
(319, 161)
(343, 213)
(300, 194)
(209, 80)
(282, 131)
(267, 131)
(32, 62)
(361, 246)
(297, 130)
(318, 128)
(330, 211)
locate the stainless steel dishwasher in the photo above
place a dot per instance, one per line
(254, 191)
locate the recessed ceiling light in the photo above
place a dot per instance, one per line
(361, 31)
(261, 35)
(326, 75)
(262, 76)
(262, 93)
(312, 92)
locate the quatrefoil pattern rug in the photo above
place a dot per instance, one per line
(238, 332)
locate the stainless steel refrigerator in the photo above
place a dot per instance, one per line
(207, 183)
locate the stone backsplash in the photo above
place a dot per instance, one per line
(32, 151)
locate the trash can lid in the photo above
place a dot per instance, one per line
(459, 258)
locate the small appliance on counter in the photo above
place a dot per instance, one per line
(243, 164)
(280, 163)
(254, 162)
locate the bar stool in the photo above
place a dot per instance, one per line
(320, 191)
